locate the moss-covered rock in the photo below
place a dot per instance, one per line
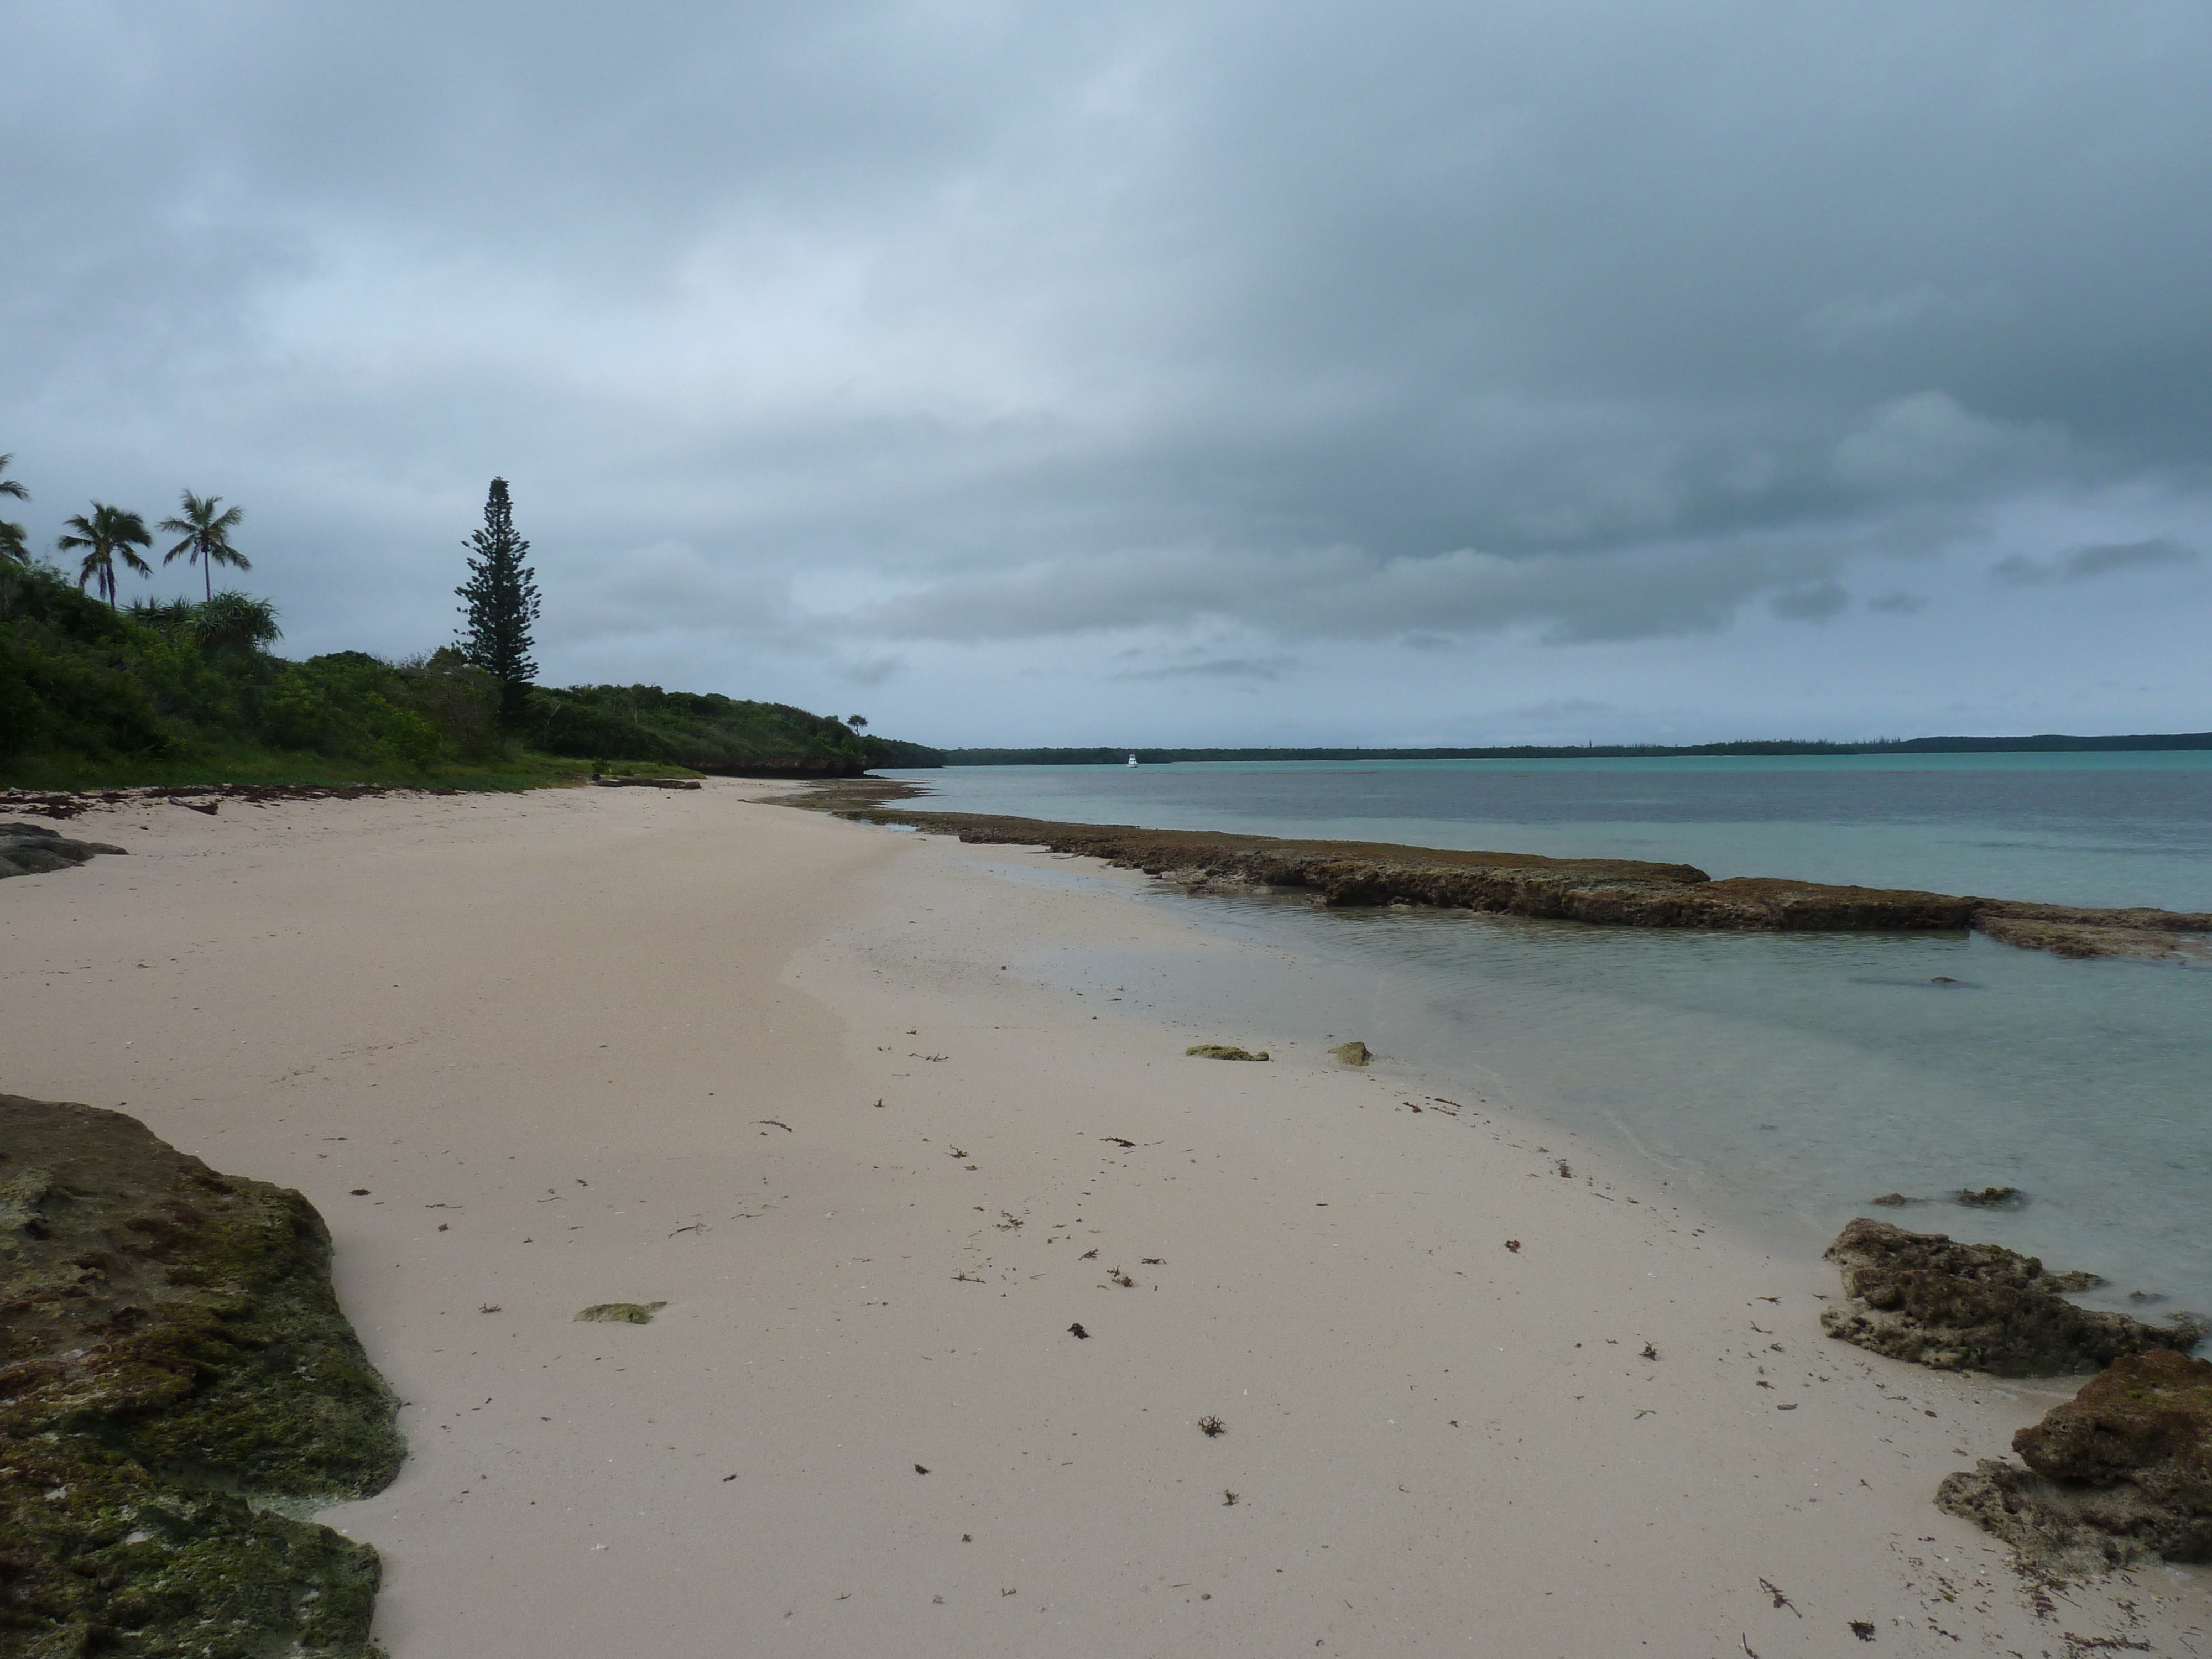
(1977, 1307)
(1353, 1054)
(620, 1313)
(2121, 1472)
(1223, 1051)
(172, 1359)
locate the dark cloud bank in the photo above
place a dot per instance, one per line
(1190, 373)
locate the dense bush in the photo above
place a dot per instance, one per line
(86, 688)
(704, 731)
(166, 681)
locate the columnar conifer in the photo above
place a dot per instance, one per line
(501, 602)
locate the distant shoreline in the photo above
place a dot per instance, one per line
(2049, 742)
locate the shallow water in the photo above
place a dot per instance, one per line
(1799, 1074)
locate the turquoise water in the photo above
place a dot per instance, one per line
(1797, 1076)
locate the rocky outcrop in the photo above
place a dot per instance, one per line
(1922, 1297)
(2120, 1473)
(174, 1373)
(30, 849)
(2064, 931)
(1608, 892)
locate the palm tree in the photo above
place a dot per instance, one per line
(236, 622)
(206, 537)
(14, 547)
(109, 533)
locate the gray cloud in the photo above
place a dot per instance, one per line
(1816, 604)
(2086, 563)
(1217, 668)
(821, 338)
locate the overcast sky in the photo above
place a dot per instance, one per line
(1136, 372)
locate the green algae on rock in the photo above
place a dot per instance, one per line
(620, 1313)
(1223, 1051)
(2120, 1473)
(1353, 1054)
(1977, 1307)
(173, 1369)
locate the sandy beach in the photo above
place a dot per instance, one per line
(1483, 1387)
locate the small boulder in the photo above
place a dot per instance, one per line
(32, 849)
(1990, 1198)
(1977, 1307)
(2120, 1473)
(1353, 1054)
(1223, 1051)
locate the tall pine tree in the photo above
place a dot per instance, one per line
(501, 602)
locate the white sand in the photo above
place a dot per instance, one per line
(548, 1034)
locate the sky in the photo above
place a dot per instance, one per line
(1210, 371)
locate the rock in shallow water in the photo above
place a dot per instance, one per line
(1222, 1051)
(1977, 1307)
(170, 1354)
(2121, 1472)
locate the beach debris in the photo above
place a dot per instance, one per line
(1566, 1170)
(489, 1307)
(1919, 1297)
(1514, 1245)
(1229, 1500)
(30, 849)
(1162, 1261)
(1650, 1353)
(921, 1470)
(1990, 1198)
(2120, 1473)
(1007, 1222)
(1089, 1255)
(1121, 1279)
(1780, 1599)
(1212, 1427)
(1353, 1054)
(772, 1123)
(613, 782)
(1077, 1331)
(619, 1313)
(1222, 1051)
(357, 1192)
(180, 1376)
(1862, 1630)
(1117, 1140)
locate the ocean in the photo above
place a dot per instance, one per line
(1787, 1078)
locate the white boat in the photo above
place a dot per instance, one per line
(1133, 760)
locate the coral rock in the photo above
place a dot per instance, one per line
(2120, 1473)
(1976, 1307)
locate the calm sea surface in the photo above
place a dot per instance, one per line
(1794, 1075)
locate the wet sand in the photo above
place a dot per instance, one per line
(584, 1047)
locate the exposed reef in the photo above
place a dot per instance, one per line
(2121, 1472)
(174, 1372)
(30, 849)
(1610, 892)
(1919, 1297)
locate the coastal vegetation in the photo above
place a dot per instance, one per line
(96, 693)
